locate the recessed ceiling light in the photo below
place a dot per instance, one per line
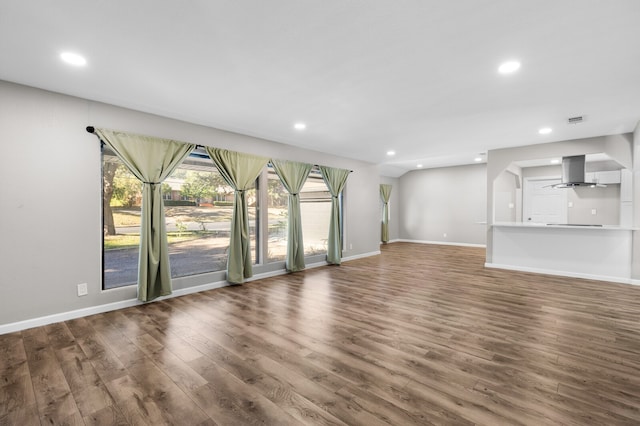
(299, 126)
(419, 166)
(545, 130)
(477, 159)
(555, 161)
(73, 59)
(509, 67)
(391, 153)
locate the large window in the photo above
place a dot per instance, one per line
(315, 208)
(198, 218)
(121, 198)
(277, 201)
(198, 209)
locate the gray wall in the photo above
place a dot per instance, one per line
(618, 147)
(51, 197)
(450, 200)
(506, 196)
(542, 171)
(394, 207)
(606, 201)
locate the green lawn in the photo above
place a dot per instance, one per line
(121, 218)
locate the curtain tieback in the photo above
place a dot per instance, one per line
(152, 183)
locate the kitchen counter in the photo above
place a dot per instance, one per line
(563, 225)
(594, 252)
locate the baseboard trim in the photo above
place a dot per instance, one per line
(107, 307)
(316, 265)
(361, 256)
(266, 275)
(620, 280)
(99, 309)
(64, 316)
(442, 243)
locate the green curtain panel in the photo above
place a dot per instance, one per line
(239, 171)
(293, 176)
(335, 180)
(385, 194)
(151, 160)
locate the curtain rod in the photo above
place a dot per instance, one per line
(92, 130)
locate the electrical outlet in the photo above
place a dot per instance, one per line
(82, 289)
(350, 246)
(594, 211)
(444, 235)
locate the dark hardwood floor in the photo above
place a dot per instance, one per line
(422, 334)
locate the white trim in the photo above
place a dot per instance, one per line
(316, 265)
(360, 256)
(443, 243)
(93, 310)
(266, 275)
(64, 316)
(563, 273)
(195, 289)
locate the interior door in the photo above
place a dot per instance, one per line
(542, 203)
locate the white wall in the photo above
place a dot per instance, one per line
(51, 197)
(449, 200)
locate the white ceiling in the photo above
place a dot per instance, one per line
(367, 76)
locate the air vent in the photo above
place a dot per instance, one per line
(575, 120)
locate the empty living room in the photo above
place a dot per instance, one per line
(320, 212)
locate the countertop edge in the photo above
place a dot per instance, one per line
(545, 226)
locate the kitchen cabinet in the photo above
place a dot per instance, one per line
(626, 214)
(626, 197)
(592, 252)
(611, 177)
(626, 185)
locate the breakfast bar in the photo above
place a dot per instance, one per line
(601, 252)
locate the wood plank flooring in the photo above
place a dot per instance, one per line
(421, 334)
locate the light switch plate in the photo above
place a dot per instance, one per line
(594, 211)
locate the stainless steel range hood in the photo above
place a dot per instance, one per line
(573, 173)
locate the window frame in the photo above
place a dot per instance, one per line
(261, 220)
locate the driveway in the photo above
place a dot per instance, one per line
(186, 258)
